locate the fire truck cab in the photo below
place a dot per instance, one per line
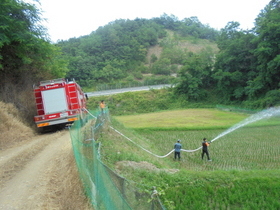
(59, 102)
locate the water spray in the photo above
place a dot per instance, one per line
(265, 114)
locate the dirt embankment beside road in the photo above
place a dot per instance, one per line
(41, 174)
(37, 171)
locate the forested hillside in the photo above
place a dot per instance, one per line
(232, 65)
(118, 51)
(227, 66)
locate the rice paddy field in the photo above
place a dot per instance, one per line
(243, 149)
(244, 171)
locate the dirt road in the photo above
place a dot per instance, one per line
(40, 174)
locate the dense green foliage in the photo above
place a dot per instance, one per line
(23, 45)
(26, 55)
(108, 53)
(187, 27)
(247, 67)
(119, 49)
(243, 70)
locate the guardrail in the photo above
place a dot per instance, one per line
(123, 90)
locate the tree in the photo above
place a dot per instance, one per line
(169, 22)
(267, 28)
(26, 55)
(235, 63)
(162, 66)
(24, 47)
(195, 75)
(17, 30)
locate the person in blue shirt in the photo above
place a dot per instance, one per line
(177, 149)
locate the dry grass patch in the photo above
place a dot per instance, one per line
(12, 129)
(154, 50)
(65, 189)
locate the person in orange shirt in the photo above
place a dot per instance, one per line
(205, 145)
(102, 106)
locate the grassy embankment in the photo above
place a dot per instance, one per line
(244, 173)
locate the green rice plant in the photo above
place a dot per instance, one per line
(195, 119)
(243, 149)
(244, 172)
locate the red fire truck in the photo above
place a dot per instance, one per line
(59, 102)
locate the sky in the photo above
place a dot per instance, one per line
(74, 18)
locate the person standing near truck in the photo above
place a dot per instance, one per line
(102, 106)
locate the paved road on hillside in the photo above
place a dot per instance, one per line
(123, 90)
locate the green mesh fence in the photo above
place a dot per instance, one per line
(106, 189)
